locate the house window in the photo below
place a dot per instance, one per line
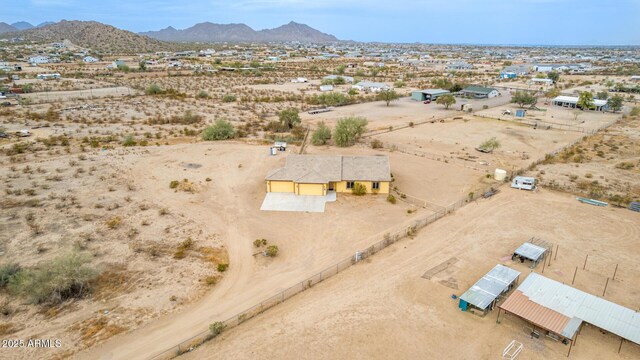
(349, 184)
(375, 186)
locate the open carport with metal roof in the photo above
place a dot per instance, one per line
(561, 310)
(484, 294)
(529, 251)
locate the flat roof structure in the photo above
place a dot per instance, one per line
(485, 291)
(530, 251)
(561, 309)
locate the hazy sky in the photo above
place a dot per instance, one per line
(549, 22)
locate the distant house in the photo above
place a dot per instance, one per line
(635, 78)
(429, 94)
(347, 79)
(319, 174)
(326, 88)
(541, 81)
(48, 76)
(572, 103)
(459, 65)
(508, 75)
(373, 64)
(370, 86)
(480, 92)
(39, 59)
(116, 64)
(89, 59)
(519, 70)
(300, 80)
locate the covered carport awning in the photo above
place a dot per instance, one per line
(531, 251)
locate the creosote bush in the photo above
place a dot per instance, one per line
(391, 199)
(220, 130)
(359, 189)
(272, 251)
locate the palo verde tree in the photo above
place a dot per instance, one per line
(348, 130)
(554, 76)
(289, 117)
(585, 100)
(615, 103)
(446, 100)
(220, 130)
(523, 98)
(321, 134)
(388, 96)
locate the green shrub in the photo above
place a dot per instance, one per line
(376, 144)
(272, 250)
(202, 95)
(391, 199)
(174, 184)
(217, 328)
(220, 130)
(7, 272)
(129, 141)
(228, 98)
(289, 117)
(321, 134)
(359, 189)
(153, 89)
(222, 267)
(62, 278)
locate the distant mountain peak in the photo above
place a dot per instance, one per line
(22, 25)
(212, 32)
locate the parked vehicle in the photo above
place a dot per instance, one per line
(427, 102)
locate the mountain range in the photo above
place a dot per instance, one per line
(210, 32)
(108, 39)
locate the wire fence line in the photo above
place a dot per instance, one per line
(386, 240)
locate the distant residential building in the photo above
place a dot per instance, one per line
(459, 65)
(572, 103)
(507, 75)
(480, 92)
(48, 76)
(326, 88)
(519, 70)
(370, 86)
(300, 80)
(116, 64)
(544, 81)
(39, 59)
(347, 79)
(89, 59)
(635, 78)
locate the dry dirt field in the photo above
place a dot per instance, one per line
(605, 166)
(383, 308)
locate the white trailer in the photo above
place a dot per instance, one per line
(523, 183)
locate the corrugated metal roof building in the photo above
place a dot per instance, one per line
(561, 309)
(484, 293)
(530, 252)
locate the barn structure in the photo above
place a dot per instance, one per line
(485, 293)
(429, 94)
(559, 311)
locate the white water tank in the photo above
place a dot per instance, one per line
(500, 174)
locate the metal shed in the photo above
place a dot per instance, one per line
(530, 252)
(485, 292)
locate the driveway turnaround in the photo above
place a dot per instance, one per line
(292, 202)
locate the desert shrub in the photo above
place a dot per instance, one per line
(179, 254)
(129, 141)
(391, 199)
(221, 130)
(625, 165)
(321, 134)
(376, 144)
(259, 242)
(348, 130)
(217, 328)
(222, 267)
(174, 184)
(65, 277)
(359, 189)
(490, 144)
(202, 95)
(211, 280)
(153, 89)
(272, 250)
(7, 272)
(228, 98)
(114, 222)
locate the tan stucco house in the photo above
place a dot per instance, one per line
(318, 174)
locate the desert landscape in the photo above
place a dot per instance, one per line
(134, 171)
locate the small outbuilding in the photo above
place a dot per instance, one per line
(429, 94)
(486, 292)
(523, 183)
(531, 252)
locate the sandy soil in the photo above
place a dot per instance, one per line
(384, 308)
